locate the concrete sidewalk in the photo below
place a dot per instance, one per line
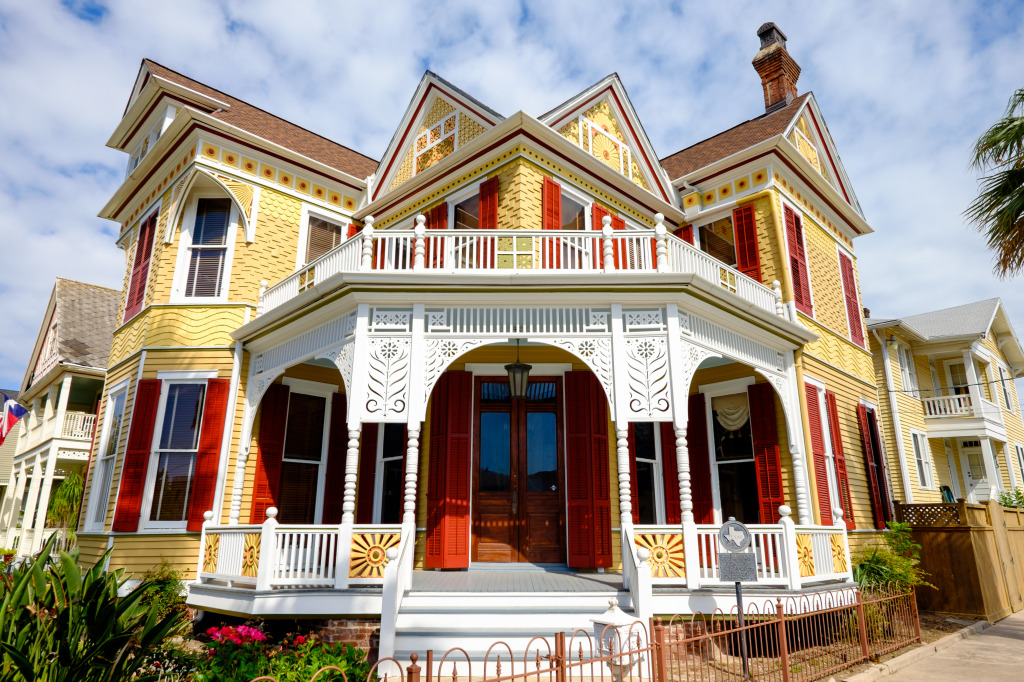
(995, 654)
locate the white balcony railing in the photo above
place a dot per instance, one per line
(78, 425)
(519, 252)
(948, 406)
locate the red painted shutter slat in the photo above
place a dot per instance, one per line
(700, 460)
(633, 487)
(489, 204)
(448, 484)
(204, 483)
(767, 462)
(337, 451)
(798, 261)
(140, 268)
(748, 257)
(270, 450)
(621, 255)
(874, 475)
(853, 311)
(353, 230)
(437, 219)
(367, 473)
(818, 454)
(588, 492)
(597, 215)
(136, 457)
(837, 454)
(670, 473)
(685, 233)
(551, 201)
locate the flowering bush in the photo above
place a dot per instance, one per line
(243, 634)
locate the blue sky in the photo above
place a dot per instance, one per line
(904, 86)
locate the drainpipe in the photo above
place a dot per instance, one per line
(904, 474)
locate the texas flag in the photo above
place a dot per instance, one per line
(12, 413)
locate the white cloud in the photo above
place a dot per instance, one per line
(905, 87)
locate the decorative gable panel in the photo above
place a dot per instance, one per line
(598, 132)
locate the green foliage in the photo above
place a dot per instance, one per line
(998, 212)
(60, 623)
(166, 593)
(896, 563)
(239, 654)
(64, 501)
(1012, 498)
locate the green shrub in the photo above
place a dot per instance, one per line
(1012, 498)
(896, 563)
(59, 622)
(166, 591)
(62, 511)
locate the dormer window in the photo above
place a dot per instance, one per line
(149, 139)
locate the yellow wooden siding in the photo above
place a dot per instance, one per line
(144, 552)
(161, 264)
(236, 434)
(272, 255)
(849, 393)
(769, 250)
(90, 549)
(1011, 418)
(839, 352)
(826, 281)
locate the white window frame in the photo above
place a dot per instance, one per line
(1018, 478)
(117, 390)
(1005, 383)
(307, 211)
(320, 390)
(181, 267)
(155, 131)
(416, 153)
(923, 460)
(660, 513)
(950, 387)
(168, 379)
(810, 283)
(908, 373)
(710, 391)
(378, 472)
(830, 458)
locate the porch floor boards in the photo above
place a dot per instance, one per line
(512, 581)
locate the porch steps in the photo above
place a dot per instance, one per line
(440, 621)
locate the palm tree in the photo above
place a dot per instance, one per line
(998, 212)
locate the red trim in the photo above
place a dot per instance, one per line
(204, 483)
(832, 163)
(412, 120)
(136, 458)
(270, 450)
(748, 253)
(768, 464)
(670, 473)
(837, 454)
(156, 103)
(489, 204)
(700, 459)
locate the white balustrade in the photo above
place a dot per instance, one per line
(304, 555)
(766, 544)
(78, 425)
(822, 551)
(948, 406)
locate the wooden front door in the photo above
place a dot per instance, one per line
(518, 473)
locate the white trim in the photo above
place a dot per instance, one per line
(183, 374)
(726, 387)
(182, 262)
(710, 391)
(467, 191)
(954, 476)
(317, 212)
(1017, 473)
(318, 388)
(660, 512)
(919, 441)
(112, 394)
(546, 369)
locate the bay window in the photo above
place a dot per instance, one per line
(204, 258)
(177, 443)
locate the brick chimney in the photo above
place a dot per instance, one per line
(777, 69)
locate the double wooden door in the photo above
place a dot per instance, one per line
(518, 471)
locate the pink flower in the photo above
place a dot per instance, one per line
(300, 640)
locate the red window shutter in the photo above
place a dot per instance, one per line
(437, 219)
(489, 204)
(367, 473)
(748, 256)
(853, 311)
(204, 483)
(588, 492)
(140, 268)
(670, 473)
(634, 492)
(875, 481)
(767, 463)
(353, 230)
(337, 451)
(798, 261)
(136, 457)
(597, 215)
(270, 450)
(700, 460)
(551, 201)
(620, 254)
(840, 460)
(685, 233)
(818, 454)
(448, 483)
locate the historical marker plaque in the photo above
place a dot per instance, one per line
(735, 568)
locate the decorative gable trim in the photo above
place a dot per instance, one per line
(403, 148)
(822, 141)
(642, 152)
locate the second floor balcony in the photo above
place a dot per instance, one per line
(521, 253)
(962, 414)
(75, 426)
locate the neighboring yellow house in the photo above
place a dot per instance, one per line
(522, 344)
(949, 376)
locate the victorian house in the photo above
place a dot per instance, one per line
(517, 355)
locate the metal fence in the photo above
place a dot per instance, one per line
(788, 640)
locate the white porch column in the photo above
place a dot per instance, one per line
(795, 437)
(972, 385)
(988, 456)
(412, 465)
(12, 504)
(51, 461)
(622, 459)
(30, 506)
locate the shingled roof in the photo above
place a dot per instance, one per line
(971, 319)
(731, 141)
(277, 130)
(85, 315)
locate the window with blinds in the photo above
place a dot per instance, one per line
(208, 250)
(303, 455)
(176, 458)
(323, 235)
(719, 240)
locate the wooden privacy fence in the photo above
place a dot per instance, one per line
(974, 555)
(796, 639)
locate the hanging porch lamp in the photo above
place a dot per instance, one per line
(518, 376)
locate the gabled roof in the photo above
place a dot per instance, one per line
(84, 317)
(611, 90)
(733, 140)
(434, 101)
(263, 124)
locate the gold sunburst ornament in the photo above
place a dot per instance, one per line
(805, 555)
(667, 559)
(251, 555)
(838, 554)
(369, 554)
(210, 552)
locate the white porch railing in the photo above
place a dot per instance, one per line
(519, 252)
(948, 406)
(78, 425)
(766, 543)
